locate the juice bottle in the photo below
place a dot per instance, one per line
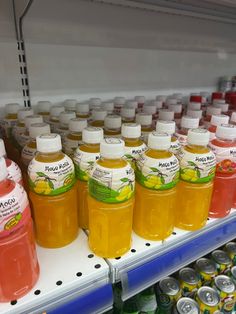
(169, 128)
(74, 137)
(14, 172)
(64, 119)
(112, 126)
(18, 260)
(108, 106)
(157, 174)
(224, 107)
(196, 114)
(98, 116)
(157, 103)
(23, 138)
(119, 102)
(141, 101)
(151, 109)
(134, 146)
(166, 115)
(111, 201)
(178, 108)
(43, 109)
(70, 105)
(132, 104)
(94, 103)
(84, 159)
(145, 120)
(197, 169)
(127, 115)
(82, 110)
(233, 118)
(215, 121)
(224, 147)
(53, 121)
(209, 112)
(186, 124)
(20, 127)
(53, 193)
(194, 106)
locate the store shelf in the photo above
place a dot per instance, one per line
(72, 280)
(149, 261)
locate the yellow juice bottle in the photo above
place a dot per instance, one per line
(111, 201)
(64, 119)
(157, 174)
(112, 126)
(197, 170)
(82, 111)
(98, 116)
(169, 127)
(84, 159)
(43, 108)
(127, 114)
(53, 193)
(145, 120)
(54, 117)
(24, 138)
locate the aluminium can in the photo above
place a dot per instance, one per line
(206, 269)
(208, 300)
(222, 261)
(189, 281)
(186, 306)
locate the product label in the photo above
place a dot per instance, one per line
(62, 133)
(14, 172)
(133, 153)
(84, 163)
(28, 154)
(197, 168)
(144, 136)
(7, 125)
(18, 130)
(157, 174)
(112, 185)
(23, 139)
(175, 147)
(51, 178)
(225, 158)
(70, 146)
(182, 138)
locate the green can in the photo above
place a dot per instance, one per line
(208, 300)
(186, 306)
(206, 268)
(222, 261)
(230, 248)
(189, 281)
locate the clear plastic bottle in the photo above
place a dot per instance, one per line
(55, 112)
(127, 115)
(186, 124)
(53, 193)
(84, 159)
(98, 117)
(166, 115)
(119, 102)
(64, 119)
(108, 106)
(20, 127)
(145, 120)
(196, 114)
(43, 109)
(111, 201)
(70, 105)
(169, 127)
(194, 191)
(112, 126)
(209, 112)
(157, 174)
(141, 101)
(82, 110)
(215, 121)
(24, 137)
(18, 259)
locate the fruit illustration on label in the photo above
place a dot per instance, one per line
(43, 184)
(125, 192)
(226, 165)
(13, 221)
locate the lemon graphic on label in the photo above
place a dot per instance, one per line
(189, 175)
(125, 193)
(42, 187)
(153, 182)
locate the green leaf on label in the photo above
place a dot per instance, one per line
(124, 179)
(198, 173)
(128, 156)
(191, 163)
(154, 169)
(40, 174)
(162, 180)
(50, 184)
(91, 163)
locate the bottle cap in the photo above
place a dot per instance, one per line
(92, 135)
(219, 119)
(108, 106)
(177, 108)
(161, 97)
(43, 106)
(22, 113)
(37, 129)
(112, 148)
(2, 149)
(198, 137)
(127, 112)
(218, 101)
(119, 101)
(165, 127)
(167, 115)
(140, 99)
(171, 101)
(70, 104)
(213, 110)
(144, 118)
(56, 110)
(195, 98)
(223, 107)
(150, 109)
(99, 114)
(157, 103)
(161, 141)
(12, 108)
(77, 124)
(189, 122)
(34, 118)
(194, 105)
(112, 121)
(95, 102)
(131, 104)
(233, 117)
(3, 167)
(131, 130)
(66, 116)
(194, 113)
(48, 143)
(82, 107)
(226, 131)
(178, 95)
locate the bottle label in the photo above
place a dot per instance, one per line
(197, 168)
(51, 178)
(84, 163)
(182, 138)
(18, 130)
(28, 154)
(157, 174)
(225, 158)
(14, 210)
(23, 139)
(133, 153)
(70, 146)
(144, 136)
(14, 172)
(7, 125)
(112, 185)
(175, 147)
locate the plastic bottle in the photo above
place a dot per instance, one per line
(197, 169)
(111, 201)
(94, 103)
(209, 112)
(53, 121)
(98, 116)
(132, 104)
(84, 159)
(134, 146)
(177, 108)
(141, 101)
(233, 118)
(108, 106)
(223, 106)
(112, 126)
(119, 102)
(196, 114)
(20, 127)
(166, 115)
(82, 110)
(145, 120)
(24, 137)
(194, 106)
(74, 138)
(215, 121)
(151, 109)
(64, 119)
(127, 115)
(70, 105)
(53, 193)
(43, 109)
(18, 259)
(169, 128)
(224, 147)
(186, 124)
(157, 174)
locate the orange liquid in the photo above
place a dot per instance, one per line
(112, 132)
(97, 123)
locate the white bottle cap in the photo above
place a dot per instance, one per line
(219, 119)
(131, 130)
(140, 99)
(112, 148)
(233, 117)
(213, 110)
(48, 143)
(119, 101)
(56, 110)
(189, 122)
(43, 106)
(131, 104)
(166, 114)
(165, 127)
(198, 137)
(2, 149)
(99, 114)
(108, 106)
(112, 121)
(194, 113)
(34, 118)
(218, 101)
(223, 107)
(161, 141)
(194, 105)
(150, 109)
(22, 113)
(157, 103)
(95, 101)
(177, 108)
(178, 95)
(12, 108)
(143, 118)
(171, 101)
(66, 116)
(127, 112)
(3, 167)
(92, 135)
(37, 129)
(70, 104)
(77, 124)
(82, 108)
(161, 97)
(226, 131)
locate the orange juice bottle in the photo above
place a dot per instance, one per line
(18, 259)
(112, 126)
(54, 117)
(20, 127)
(169, 128)
(82, 111)
(127, 114)
(197, 170)
(152, 109)
(98, 117)
(53, 193)
(157, 174)
(145, 120)
(43, 108)
(84, 159)
(210, 111)
(178, 109)
(215, 121)
(23, 138)
(108, 106)
(111, 201)
(196, 114)
(186, 124)
(70, 105)
(64, 119)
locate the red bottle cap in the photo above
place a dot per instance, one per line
(195, 98)
(217, 95)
